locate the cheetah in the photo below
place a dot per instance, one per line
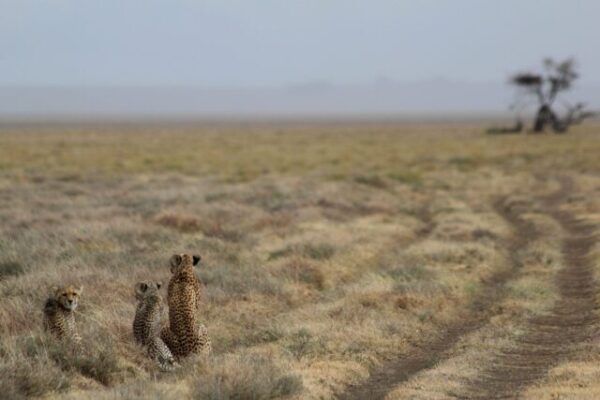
(185, 335)
(59, 318)
(147, 324)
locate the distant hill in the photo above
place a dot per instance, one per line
(384, 97)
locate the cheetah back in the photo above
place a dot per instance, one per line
(183, 317)
(184, 298)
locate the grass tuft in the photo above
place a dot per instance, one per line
(246, 378)
(300, 270)
(97, 360)
(27, 370)
(303, 343)
(10, 268)
(374, 181)
(180, 222)
(321, 251)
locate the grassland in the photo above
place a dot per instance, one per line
(329, 251)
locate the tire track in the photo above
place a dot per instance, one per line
(479, 312)
(548, 339)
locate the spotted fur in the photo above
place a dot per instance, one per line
(147, 324)
(59, 318)
(185, 335)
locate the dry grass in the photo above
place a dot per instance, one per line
(317, 266)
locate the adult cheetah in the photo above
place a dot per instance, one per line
(147, 324)
(59, 318)
(185, 335)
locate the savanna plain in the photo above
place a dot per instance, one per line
(363, 260)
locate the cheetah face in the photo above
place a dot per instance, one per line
(180, 261)
(143, 289)
(68, 297)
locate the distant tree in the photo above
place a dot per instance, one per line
(545, 87)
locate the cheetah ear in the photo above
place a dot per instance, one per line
(158, 285)
(54, 290)
(196, 259)
(141, 287)
(175, 261)
(80, 290)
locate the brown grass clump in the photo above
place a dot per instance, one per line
(303, 271)
(215, 227)
(183, 223)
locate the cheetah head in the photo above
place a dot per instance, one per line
(143, 289)
(68, 296)
(181, 261)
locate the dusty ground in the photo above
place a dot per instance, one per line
(366, 260)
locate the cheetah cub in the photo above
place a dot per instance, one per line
(147, 324)
(59, 318)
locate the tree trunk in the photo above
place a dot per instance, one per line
(545, 116)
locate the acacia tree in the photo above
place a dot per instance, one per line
(545, 87)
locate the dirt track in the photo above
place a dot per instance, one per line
(479, 312)
(546, 339)
(549, 338)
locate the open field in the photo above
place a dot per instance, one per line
(398, 260)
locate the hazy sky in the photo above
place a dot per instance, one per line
(281, 42)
